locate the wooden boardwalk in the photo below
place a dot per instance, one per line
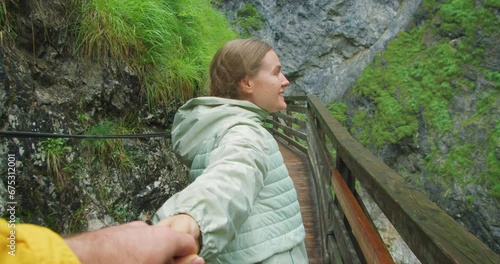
(298, 168)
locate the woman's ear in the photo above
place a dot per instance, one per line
(245, 85)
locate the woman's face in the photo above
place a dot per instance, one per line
(267, 87)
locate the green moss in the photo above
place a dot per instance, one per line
(469, 199)
(339, 111)
(419, 76)
(410, 76)
(495, 190)
(457, 162)
(249, 19)
(492, 3)
(493, 161)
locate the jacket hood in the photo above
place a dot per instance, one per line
(205, 118)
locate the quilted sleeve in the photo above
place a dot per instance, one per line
(221, 198)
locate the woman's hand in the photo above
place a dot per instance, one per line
(184, 223)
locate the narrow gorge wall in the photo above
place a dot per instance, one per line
(46, 87)
(325, 44)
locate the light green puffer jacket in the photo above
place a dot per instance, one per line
(241, 194)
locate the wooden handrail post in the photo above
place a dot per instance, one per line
(372, 246)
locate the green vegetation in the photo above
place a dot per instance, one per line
(303, 117)
(404, 82)
(3, 15)
(493, 160)
(55, 149)
(169, 44)
(76, 222)
(108, 152)
(416, 79)
(457, 162)
(492, 3)
(249, 19)
(6, 21)
(122, 213)
(338, 110)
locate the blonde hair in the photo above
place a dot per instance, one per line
(234, 61)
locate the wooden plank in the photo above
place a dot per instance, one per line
(299, 171)
(295, 98)
(371, 244)
(347, 250)
(318, 187)
(333, 247)
(299, 122)
(331, 217)
(296, 108)
(289, 140)
(289, 130)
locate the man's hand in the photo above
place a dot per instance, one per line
(135, 242)
(183, 223)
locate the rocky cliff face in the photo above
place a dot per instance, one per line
(325, 44)
(45, 87)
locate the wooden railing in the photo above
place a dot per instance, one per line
(347, 233)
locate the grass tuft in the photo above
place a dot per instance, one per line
(55, 150)
(169, 44)
(7, 21)
(108, 152)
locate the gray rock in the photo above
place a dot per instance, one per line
(324, 45)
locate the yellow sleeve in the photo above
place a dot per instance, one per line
(27, 243)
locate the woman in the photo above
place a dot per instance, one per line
(241, 205)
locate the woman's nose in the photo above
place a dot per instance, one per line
(284, 81)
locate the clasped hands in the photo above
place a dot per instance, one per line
(185, 224)
(173, 240)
